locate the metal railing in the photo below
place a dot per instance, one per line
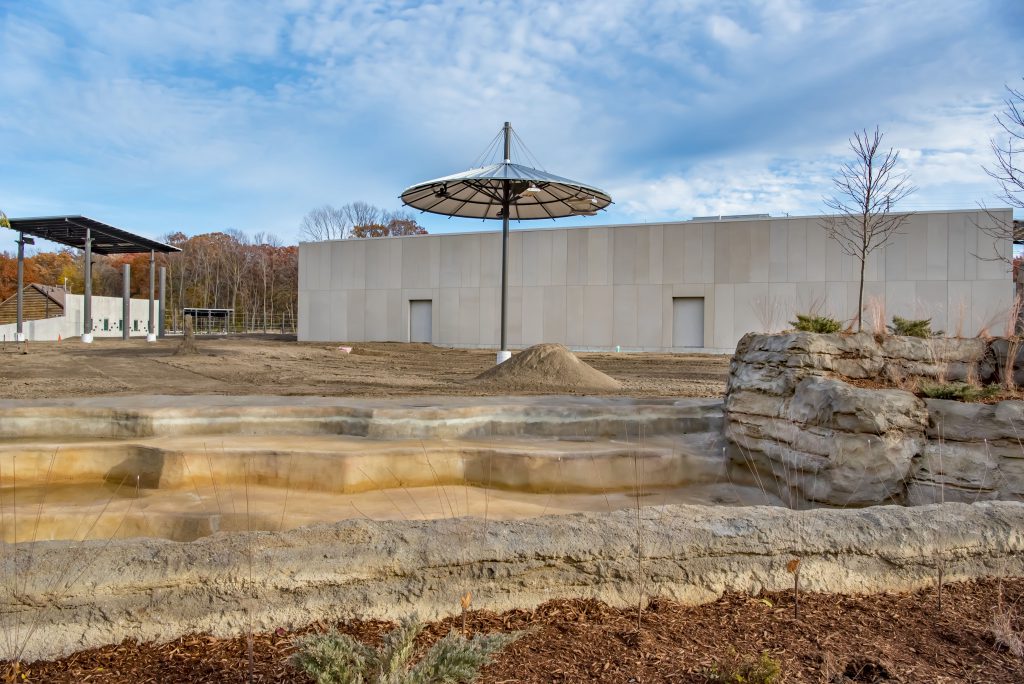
(237, 323)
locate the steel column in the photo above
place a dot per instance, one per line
(19, 335)
(162, 319)
(151, 329)
(503, 353)
(126, 301)
(87, 303)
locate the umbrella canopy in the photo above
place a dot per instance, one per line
(480, 193)
(506, 191)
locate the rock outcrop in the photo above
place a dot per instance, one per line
(813, 437)
(972, 452)
(89, 594)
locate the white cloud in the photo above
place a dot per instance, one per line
(736, 186)
(198, 31)
(728, 32)
(783, 16)
(238, 113)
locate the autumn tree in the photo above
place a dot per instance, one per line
(867, 189)
(389, 224)
(403, 223)
(369, 230)
(53, 267)
(256, 277)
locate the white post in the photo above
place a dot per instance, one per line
(126, 301)
(162, 316)
(151, 331)
(19, 335)
(87, 300)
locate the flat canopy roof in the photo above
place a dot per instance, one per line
(70, 231)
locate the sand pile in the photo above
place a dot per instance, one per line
(546, 367)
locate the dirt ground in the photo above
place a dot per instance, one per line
(280, 365)
(836, 640)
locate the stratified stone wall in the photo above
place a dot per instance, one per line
(972, 452)
(152, 589)
(811, 436)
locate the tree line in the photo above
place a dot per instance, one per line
(357, 220)
(256, 277)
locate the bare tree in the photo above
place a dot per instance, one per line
(357, 220)
(866, 190)
(326, 223)
(1008, 171)
(363, 214)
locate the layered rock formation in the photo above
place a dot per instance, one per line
(813, 437)
(77, 596)
(185, 467)
(972, 452)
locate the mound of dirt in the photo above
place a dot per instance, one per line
(546, 367)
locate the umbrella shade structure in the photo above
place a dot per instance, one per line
(506, 191)
(480, 194)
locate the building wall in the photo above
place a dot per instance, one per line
(106, 312)
(609, 286)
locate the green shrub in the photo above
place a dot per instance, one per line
(912, 328)
(334, 658)
(958, 391)
(734, 670)
(816, 324)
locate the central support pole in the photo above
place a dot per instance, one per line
(126, 301)
(162, 318)
(504, 354)
(151, 332)
(87, 302)
(19, 335)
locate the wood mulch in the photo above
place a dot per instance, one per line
(881, 638)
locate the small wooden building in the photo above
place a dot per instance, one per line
(41, 301)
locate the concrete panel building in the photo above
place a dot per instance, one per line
(692, 285)
(106, 316)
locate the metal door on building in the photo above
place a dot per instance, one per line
(421, 321)
(687, 321)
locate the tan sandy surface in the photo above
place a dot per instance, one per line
(281, 366)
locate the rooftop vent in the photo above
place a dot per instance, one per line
(730, 217)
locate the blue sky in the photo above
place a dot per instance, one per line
(204, 115)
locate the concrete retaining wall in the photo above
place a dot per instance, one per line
(106, 313)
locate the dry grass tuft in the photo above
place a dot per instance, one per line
(875, 316)
(769, 312)
(1004, 629)
(1005, 634)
